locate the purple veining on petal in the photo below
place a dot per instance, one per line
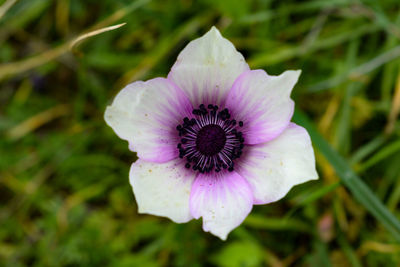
(263, 103)
(145, 114)
(207, 67)
(223, 200)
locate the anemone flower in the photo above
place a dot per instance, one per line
(213, 138)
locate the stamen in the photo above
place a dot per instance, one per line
(210, 140)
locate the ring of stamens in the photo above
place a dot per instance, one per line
(210, 141)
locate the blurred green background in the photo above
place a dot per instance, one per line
(64, 190)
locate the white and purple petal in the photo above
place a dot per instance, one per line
(223, 200)
(249, 134)
(273, 168)
(263, 103)
(207, 67)
(146, 114)
(162, 189)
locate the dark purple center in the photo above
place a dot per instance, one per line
(210, 140)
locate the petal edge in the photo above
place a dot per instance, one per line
(207, 67)
(162, 189)
(263, 103)
(223, 202)
(146, 114)
(273, 168)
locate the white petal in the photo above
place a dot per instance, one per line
(273, 168)
(162, 189)
(223, 201)
(146, 114)
(263, 103)
(207, 67)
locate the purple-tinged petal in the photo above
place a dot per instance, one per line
(273, 168)
(162, 189)
(207, 67)
(146, 114)
(263, 103)
(223, 200)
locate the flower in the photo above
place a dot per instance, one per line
(213, 138)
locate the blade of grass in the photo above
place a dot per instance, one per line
(375, 11)
(165, 45)
(342, 137)
(37, 121)
(6, 6)
(390, 70)
(284, 54)
(361, 192)
(310, 196)
(14, 68)
(379, 156)
(320, 256)
(367, 149)
(394, 198)
(358, 71)
(395, 109)
(282, 224)
(348, 251)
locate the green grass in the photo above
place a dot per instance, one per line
(64, 190)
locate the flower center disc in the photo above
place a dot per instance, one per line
(210, 140)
